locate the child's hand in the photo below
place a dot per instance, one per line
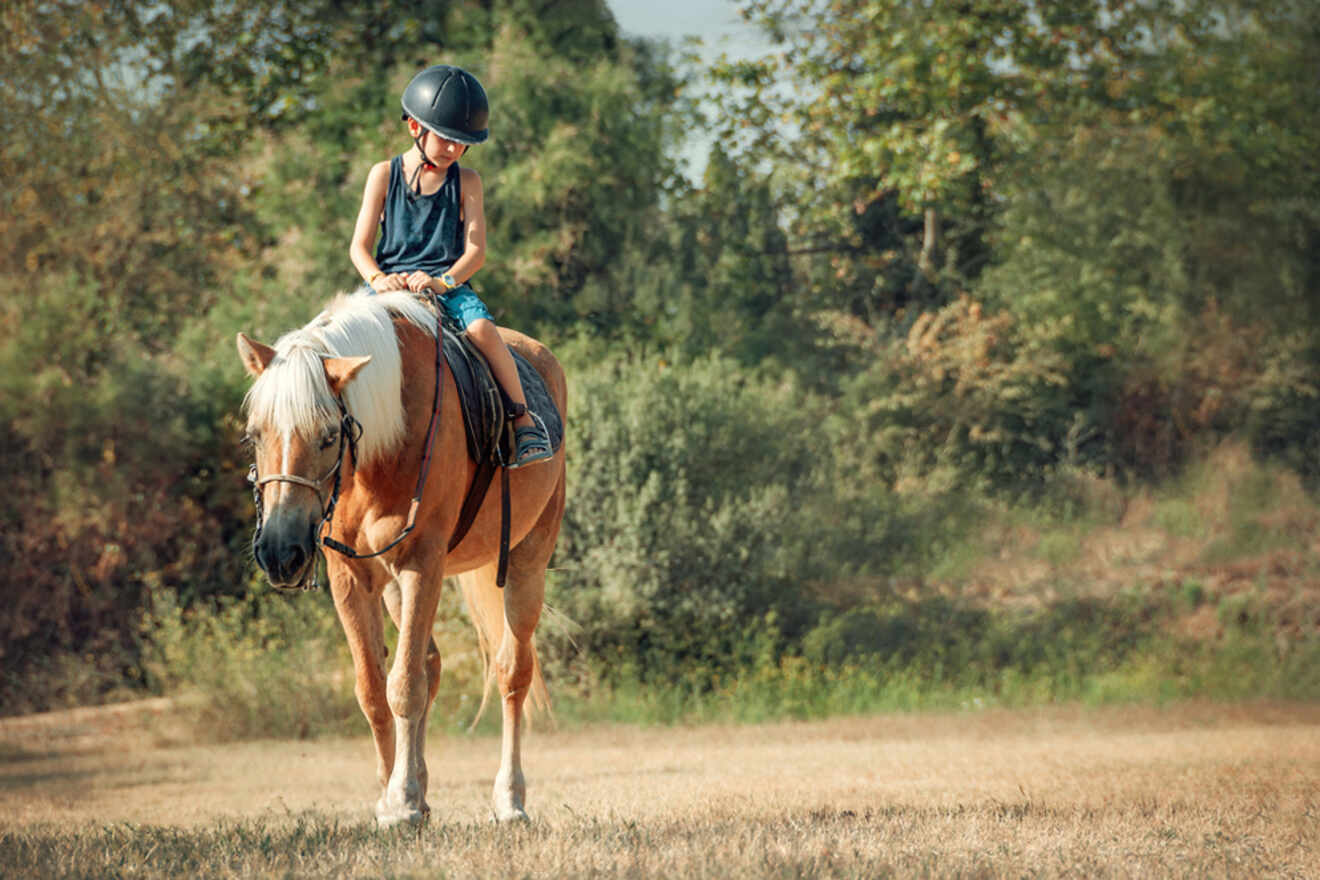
(386, 283)
(419, 281)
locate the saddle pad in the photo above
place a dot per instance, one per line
(483, 401)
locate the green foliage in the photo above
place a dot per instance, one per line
(268, 666)
(1133, 178)
(186, 189)
(939, 249)
(112, 459)
(573, 172)
(574, 175)
(704, 500)
(967, 398)
(734, 290)
(692, 506)
(1283, 418)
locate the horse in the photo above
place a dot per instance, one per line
(339, 416)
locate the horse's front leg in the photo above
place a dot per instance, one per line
(357, 602)
(394, 604)
(409, 690)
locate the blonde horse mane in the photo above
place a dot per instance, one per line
(292, 396)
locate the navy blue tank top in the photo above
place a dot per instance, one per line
(420, 232)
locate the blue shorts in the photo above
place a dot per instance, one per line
(462, 305)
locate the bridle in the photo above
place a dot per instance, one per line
(350, 431)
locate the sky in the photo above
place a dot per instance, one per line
(716, 21)
(718, 24)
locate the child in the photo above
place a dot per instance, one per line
(433, 227)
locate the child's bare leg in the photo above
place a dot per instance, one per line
(488, 339)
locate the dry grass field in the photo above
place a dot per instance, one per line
(1193, 790)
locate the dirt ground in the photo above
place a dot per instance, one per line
(1119, 789)
(98, 769)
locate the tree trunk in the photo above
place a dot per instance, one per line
(929, 242)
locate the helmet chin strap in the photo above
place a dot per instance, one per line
(415, 182)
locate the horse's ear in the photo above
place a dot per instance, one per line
(340, 371)
(256, 357)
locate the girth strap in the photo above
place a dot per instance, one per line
(472, 504)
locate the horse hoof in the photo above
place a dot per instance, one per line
(392, 817)
(514, 816)
(412, 818)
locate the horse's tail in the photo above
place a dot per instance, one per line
(485, 606)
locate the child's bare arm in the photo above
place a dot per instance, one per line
(474, 228)
(474, 238)
(364, 231)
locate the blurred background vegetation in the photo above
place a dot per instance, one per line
(978, 364)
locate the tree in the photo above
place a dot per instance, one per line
(902, 119)
(577, 173)
(574, 172)
(126, 206)
(1120, 178)
(174, 171)
(734, 288)
(1167, 247)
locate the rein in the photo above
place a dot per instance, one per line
(350, 430)
(436, 400)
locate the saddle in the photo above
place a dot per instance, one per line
(486, 406)
(488, 423)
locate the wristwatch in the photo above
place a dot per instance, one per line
(448, 281)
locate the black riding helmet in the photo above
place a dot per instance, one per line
(450, 102)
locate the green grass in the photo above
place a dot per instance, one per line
(940, 654)
(1060, 547)
(286, 674)
(1179, 517)
(1157, 670)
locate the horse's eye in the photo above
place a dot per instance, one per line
(329, 438)
(247, 440)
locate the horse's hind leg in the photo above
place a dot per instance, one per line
(515, 659)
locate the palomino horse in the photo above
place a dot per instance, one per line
(371, 361)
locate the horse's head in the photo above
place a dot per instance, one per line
(297, 428)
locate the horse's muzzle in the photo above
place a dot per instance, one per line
(286, 550)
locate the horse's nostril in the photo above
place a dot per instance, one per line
(292, 559)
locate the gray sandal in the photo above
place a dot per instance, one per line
(533, 446)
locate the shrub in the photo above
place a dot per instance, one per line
(122, 478)
(964, 400)
(268, 665)
(699, 500)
